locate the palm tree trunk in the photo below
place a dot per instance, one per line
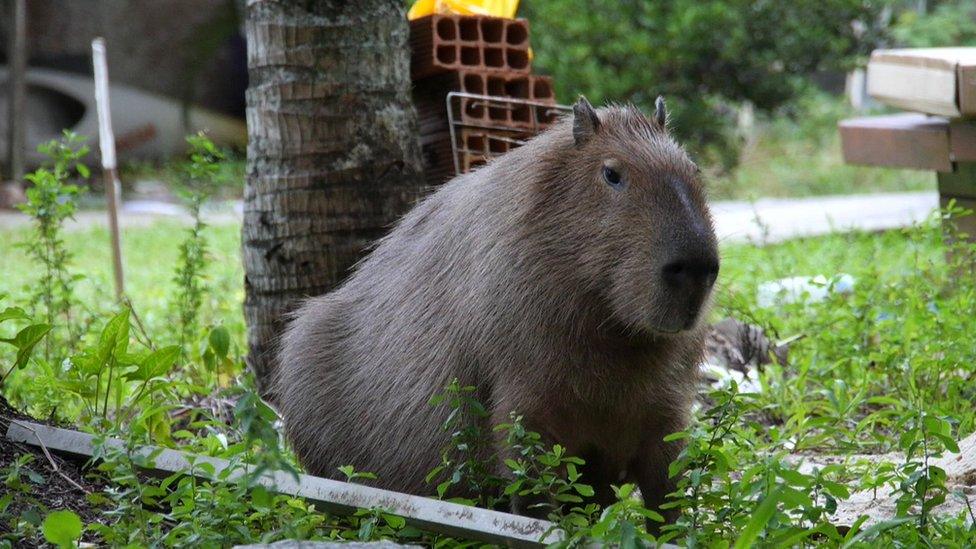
(333, 155)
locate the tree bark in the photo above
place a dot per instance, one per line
(333, 155)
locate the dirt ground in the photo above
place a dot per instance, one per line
(50, 490)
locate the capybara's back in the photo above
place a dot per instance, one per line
(564, 280)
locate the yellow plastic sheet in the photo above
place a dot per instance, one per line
(495, 8)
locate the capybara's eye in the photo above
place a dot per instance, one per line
(612, 177)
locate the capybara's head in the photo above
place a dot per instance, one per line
(636, 210)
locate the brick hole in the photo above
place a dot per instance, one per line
(474, 108)
(474, 83)
(496, 145)
(517, 87)
(541, 89)
(492, 30)
(446, 29)
(446, 55)
(494, 57)
(516, 33)
(517, 59)
(470, 56)
(497, 112)
(521, 113)
(475, 144)
(469, 29)
(545, 115)
(496, 86)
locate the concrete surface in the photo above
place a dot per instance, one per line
(764, 221)
(769, 220)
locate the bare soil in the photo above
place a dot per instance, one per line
(50, 490)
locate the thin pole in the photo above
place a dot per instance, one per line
(106, 141)
(17, 95)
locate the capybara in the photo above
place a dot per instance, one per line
(565, 280)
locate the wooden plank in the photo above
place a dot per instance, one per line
(962, 140)
(930, 80)
(17, 91)
(341, 498)
(907, 140)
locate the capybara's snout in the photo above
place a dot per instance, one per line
(688, 279)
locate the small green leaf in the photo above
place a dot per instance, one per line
(758, 521)
(13, 313)
(394, 521)
(156, 363)
(26, 340)
(836, 489)
(62, 528)
(795, 478)
(220, 341)
(260, 498)
(584, 490)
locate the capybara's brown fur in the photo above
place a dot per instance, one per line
(565, 280)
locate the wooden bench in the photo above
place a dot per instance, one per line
(937, 81)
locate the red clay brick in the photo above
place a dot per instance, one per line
(441, 43)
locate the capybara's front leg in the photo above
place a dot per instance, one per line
(653, 479)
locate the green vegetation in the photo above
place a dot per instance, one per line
(706, 57)
(797, 153)
(887, 368)
(949, 23)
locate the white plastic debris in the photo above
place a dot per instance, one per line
(805, 289)
(720, 377)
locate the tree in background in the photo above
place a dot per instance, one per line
(946, 23)
(333, 155)
(705, 56)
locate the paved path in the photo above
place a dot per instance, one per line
(763, 221)
(776, 219)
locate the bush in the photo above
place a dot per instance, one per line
(703, 56)
(951, 23)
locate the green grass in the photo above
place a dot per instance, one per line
(800, 155)
(150, 255)
(890, 367)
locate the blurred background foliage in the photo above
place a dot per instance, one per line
(710, 58)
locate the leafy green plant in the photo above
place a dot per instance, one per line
(199, 182)
(886, 368)
(545, 478)
(948, 23)
(62, 528)
(50, 202)
(463, 468)
(24, 341)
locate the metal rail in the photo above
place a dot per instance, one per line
(455, 102)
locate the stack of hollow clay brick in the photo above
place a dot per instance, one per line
(477, 55)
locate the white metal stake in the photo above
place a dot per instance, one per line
(106, 142)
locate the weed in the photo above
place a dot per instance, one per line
(886, 368)
(50, 202)
(200, 181)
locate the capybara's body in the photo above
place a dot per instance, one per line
(546, 280)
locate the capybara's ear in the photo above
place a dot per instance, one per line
(585, 121)
(660, 114)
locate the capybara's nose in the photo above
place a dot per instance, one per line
(691, 272)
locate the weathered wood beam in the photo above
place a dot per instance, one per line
(341, 498)
(17, 90)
